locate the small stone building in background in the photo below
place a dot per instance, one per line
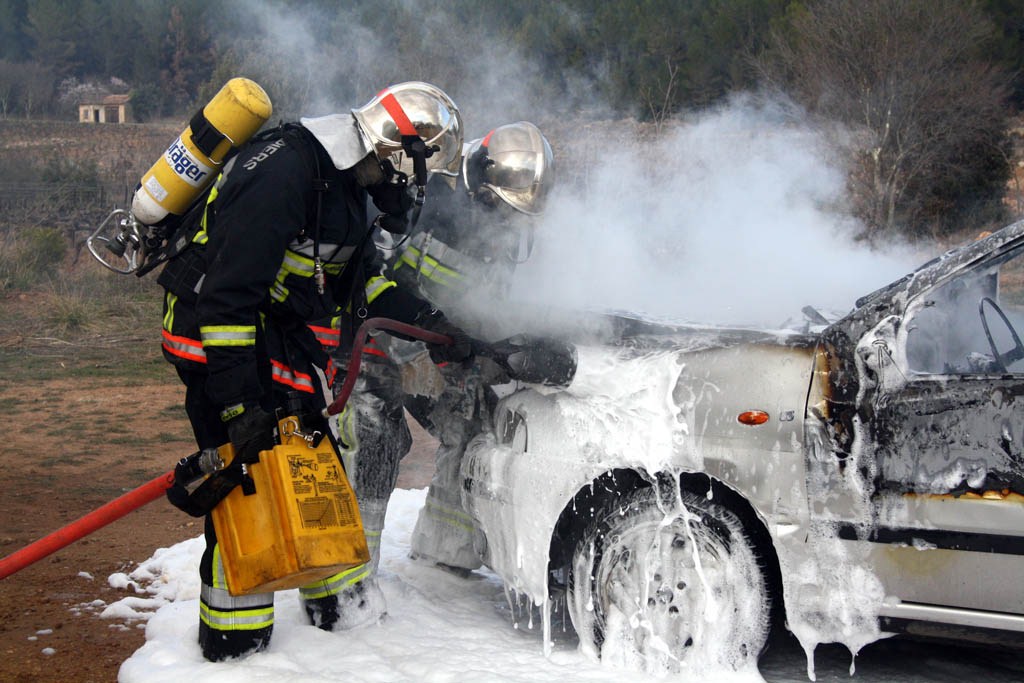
(109, 109)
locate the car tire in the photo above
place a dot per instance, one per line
(669, 589)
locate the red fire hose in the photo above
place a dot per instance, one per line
(362, 333)
(83, 526)
(147, 493)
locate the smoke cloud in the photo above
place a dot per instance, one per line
(734, 215)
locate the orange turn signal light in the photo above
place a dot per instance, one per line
(753, 417)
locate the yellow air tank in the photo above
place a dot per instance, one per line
(194, 158)
(302, 523)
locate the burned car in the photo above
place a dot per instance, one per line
(694, 488)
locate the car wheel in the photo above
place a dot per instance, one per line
(668, 589)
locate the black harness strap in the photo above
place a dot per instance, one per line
(216, 488)
(204, 136)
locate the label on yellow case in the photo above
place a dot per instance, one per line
(322, 495)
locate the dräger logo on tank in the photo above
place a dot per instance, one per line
(190, 169)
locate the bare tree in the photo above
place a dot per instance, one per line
(660, 103)
(28, 87)
(904, 77)
(9, 78)
(37, 87)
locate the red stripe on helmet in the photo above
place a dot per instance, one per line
(398, 115)
(487, 139)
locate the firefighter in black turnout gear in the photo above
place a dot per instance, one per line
(284, 241)
(460, 256)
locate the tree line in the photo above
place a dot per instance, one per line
(917, 93)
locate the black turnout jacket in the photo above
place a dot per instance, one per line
(240, 300)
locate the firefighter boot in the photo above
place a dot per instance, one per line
(232, 626)
(362, 601)
(351, 598)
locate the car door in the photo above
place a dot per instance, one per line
(943, 433)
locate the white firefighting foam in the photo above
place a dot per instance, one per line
(439, 628)
(621, 411)
(624, 406)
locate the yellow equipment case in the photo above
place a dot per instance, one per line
(302, 523)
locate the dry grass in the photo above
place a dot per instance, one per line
(82, 320)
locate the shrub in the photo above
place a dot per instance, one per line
(30, 256)
(43, 247)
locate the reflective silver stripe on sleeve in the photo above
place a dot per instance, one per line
(376, 285)
(447, 255)
(295, 262)
(444, 265)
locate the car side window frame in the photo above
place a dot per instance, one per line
(943, 334)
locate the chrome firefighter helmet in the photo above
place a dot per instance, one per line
(413, 108)
(513, 162)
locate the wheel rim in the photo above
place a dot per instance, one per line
(667, 592)
(650, 576)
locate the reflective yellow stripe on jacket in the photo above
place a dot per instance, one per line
(298, 265)
(228, 335)
(202, 236)
(375, 286)
(431, 268)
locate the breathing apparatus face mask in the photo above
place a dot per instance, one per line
(391, 193)
(395, 195)
(489, 201)
(499, 221)
(390, 188)
(369, 171)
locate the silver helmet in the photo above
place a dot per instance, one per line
(413, 108)
(515, 163)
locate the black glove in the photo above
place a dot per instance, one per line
(461, 347)
(251, 431)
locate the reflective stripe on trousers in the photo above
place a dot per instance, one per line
(333, 585)
(222, 611)
(450, 516)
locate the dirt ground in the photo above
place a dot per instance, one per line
(72, 445)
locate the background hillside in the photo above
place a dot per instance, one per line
(917, 93)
